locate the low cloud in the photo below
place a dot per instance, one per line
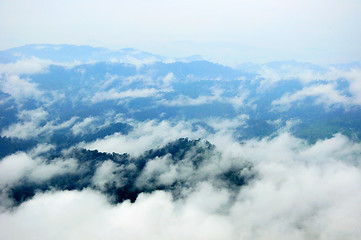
(301, 192)
(297, 201)
(354, 79)
(325, 94)
(162, 83)
(20, 88)
(188, 101)
(221, 124)
(183, 100)
(144, 136)
(30, 125)
(268, 76)
(136, 61)
(105, 174)
(32, 167)
(84, 126)
(25, 66)
(114, 94)
(238, 101)
(166, 82)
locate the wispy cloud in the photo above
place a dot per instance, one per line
(20, 88)
(31, 125)
(183, 100)
(84, 126)
(325, 94)
(106, 174)
(114, 94)
(145, 135)
(25, 66)
(28, 166)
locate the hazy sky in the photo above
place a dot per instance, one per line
(322, 31)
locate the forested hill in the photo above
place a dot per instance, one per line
(177, 168)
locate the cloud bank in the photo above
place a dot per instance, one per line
(300, 192)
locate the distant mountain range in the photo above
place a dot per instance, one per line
(50, 93)
(70, 53)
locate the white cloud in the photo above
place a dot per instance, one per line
(31, 125)
(136, 61)
(236, 101)
(41, 148)
(35, 115)
(296, 201)
(191, 170)
(82, 127)
(106, 173)
(307, 202)
(354, 78)
(161, 83)
(162, 169)
(23, 130)
(268, 75)
(21, 165)
(226, 125)
(286, 148)
(87, 215)
(44, 171)
(167, 81)
(337, 148)
(23, 88)
(114, 94)
(109, 79)
(14, 167)
(300, 192)
(19, 88)
(326, 94)
(25, 66)
(188, 101)
(144, 136)
(182, 100)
